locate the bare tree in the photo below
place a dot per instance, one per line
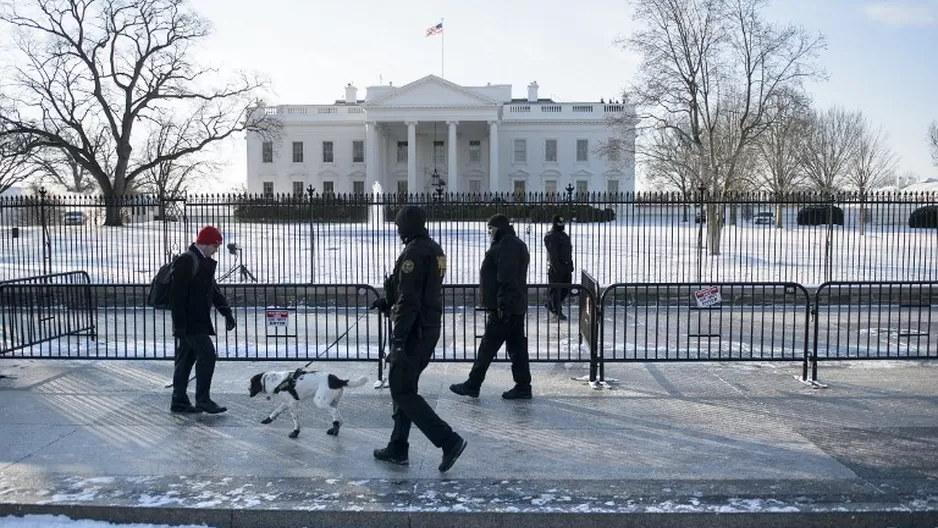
(172, 176)
(58, 168)
(92, 74)
(872, 166)
(710, 71)
(933, 141)
(832, 142)
(780, 149)
(14, 164)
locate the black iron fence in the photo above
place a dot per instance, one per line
(41, 309)
(870, 320)
(621, 238)
(63, 316)
(705, 322)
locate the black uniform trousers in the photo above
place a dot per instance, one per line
(511, 334)
(409, 406)
(558, 295)
(195, 350)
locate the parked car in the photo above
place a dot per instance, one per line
(764, 217)
(74, 218)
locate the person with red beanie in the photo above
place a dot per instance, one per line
(192, 294)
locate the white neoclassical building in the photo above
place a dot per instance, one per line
(475, 138)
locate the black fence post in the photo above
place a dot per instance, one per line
(46, 238)
(312, 236)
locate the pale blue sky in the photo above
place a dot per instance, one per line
(881, 55)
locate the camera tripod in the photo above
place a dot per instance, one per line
(240, 268)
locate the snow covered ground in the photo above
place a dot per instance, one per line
(61, 521)
(643, 245)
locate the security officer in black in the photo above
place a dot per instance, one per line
(415, 300)
(504, 293)
(559, 265)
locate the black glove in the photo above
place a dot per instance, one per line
(381, 304)
(229, 322)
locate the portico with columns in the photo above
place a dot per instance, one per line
(434, 135)
(442, 126)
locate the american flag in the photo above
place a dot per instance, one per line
(435, 29)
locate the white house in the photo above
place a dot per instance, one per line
(476, 138)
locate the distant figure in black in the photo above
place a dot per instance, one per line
(504, 292)
(559, 265)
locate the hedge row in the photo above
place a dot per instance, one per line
(338, 210)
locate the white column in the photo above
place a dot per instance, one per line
(494, 183)
(452, 177)
(371, 155)
(411, 156)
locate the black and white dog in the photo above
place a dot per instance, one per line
(323, 388)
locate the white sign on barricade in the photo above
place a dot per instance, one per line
(708, 296)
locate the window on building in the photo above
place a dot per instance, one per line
(550, 189)
(328, 187)
(582, 189)
(475, 186)
(328, 152)
(297, 152)
(475, 152)
(267, 152)
(439, 153)
(358, 187)
(612, 186)
(268, 188)
(613, 148)
(550, 150)
(519, 189)
(520, 152)
(358, 151)
(298, 188)
(402, 186)
(402, 152)
(582, 150)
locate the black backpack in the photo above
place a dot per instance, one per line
(159, 287)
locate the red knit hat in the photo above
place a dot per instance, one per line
(209, 236)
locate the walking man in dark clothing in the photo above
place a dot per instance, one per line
(559, 265)
(505, 297)
(414, 296)
(191, 295)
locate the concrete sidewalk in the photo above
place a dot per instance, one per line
(671, 445)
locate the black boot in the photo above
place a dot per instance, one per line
(517, 393)
(210, 407)
(464, 389)
(452, 451)
(387, 454)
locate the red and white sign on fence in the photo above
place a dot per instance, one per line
(708, 296)
(277, 317)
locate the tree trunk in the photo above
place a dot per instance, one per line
(714, 227)
(778, 215)
(862, 219)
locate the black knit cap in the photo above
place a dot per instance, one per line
(556, 219)
(411, 221)
(499, 221)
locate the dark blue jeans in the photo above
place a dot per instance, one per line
(195, 350)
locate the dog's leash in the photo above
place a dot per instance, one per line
(336, 342)
(323, 351)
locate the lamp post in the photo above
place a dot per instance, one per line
(438, 183)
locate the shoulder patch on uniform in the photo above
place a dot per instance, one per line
(407, 266)
(441, 264)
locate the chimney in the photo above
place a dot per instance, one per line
(532, 92)
(351, 94)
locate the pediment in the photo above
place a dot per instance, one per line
(430, 91)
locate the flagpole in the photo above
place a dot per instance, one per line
(442, 50)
